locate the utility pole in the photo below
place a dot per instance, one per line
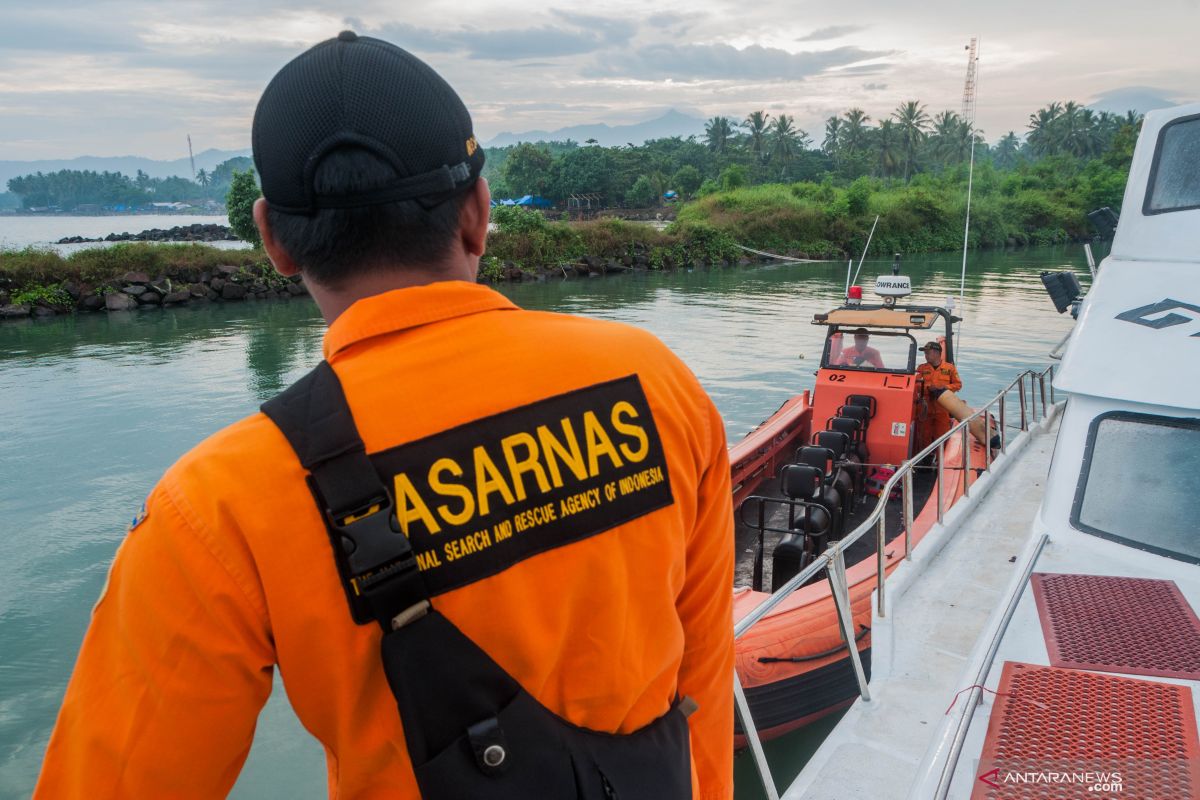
(192, 158)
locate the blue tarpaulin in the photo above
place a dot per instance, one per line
(528, 201)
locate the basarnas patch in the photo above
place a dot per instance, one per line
(476, 499)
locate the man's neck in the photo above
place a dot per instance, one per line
(333, 302)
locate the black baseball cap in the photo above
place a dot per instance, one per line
(356, 91)
(932, 346)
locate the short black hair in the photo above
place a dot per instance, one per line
(334, 244)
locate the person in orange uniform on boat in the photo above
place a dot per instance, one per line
(936, 376)
(861, 354)
(541, 498)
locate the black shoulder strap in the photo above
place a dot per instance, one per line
(374, 558)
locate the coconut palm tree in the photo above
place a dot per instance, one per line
(888, 147)
(203, 178)
(717, 133)
(854, 130)
(786, 141)
(912, 122)
(1007, 151)
(757, 124)
(833, 136)
(1044, 137)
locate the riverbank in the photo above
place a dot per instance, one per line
(800, 220)
(41, 283)
(525, 247)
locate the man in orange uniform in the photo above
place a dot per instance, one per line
(936, 376)
(861, 354)
(561, 485)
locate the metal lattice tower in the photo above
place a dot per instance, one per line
(968, 100)
(192, 158)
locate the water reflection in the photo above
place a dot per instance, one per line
(95, 407)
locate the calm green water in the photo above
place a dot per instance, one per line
(94, 408)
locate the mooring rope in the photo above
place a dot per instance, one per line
(783, 258)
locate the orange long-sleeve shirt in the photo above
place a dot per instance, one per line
(231, 572)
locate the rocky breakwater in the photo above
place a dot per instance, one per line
(138, 290)
(180, 233)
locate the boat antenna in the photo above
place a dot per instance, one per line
(867, 247)
(968, 116)
(849, 269)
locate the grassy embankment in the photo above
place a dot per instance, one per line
(1044, 204)
(808, 219)
(32, 276)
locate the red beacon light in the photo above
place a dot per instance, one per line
(854, 295)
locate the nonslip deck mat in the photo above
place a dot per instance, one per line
(1062, 734)
(1137, 626)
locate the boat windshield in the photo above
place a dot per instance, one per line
(1140, 483)
(1175, 174)
(876, 351)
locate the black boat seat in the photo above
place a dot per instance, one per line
(846, 462)
(835, 498)
(840, 479)
(860, 413)
(864, 400)
(805, 484)
(852, 428)
(800, 483)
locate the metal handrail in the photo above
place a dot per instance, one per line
(974, 697)
(833, 560)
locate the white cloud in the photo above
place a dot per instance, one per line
(77, 76)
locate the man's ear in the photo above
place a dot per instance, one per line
(473, 218)
(280, 259)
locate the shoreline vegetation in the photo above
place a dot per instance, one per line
(763, 188)
(1036, 206)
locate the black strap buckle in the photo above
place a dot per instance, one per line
(375, 547)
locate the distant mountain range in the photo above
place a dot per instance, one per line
(672, 123)
(128, 165)
(1130, 98)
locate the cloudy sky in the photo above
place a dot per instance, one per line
(118, 78)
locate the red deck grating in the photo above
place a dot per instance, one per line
(1062, 734)
(1132, 625)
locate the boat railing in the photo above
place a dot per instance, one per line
(1034, 392)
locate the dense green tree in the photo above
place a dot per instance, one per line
(588, 170)
(732, 177)
(686, 180)
(239, 202)
(642, 193)
(527, 169)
